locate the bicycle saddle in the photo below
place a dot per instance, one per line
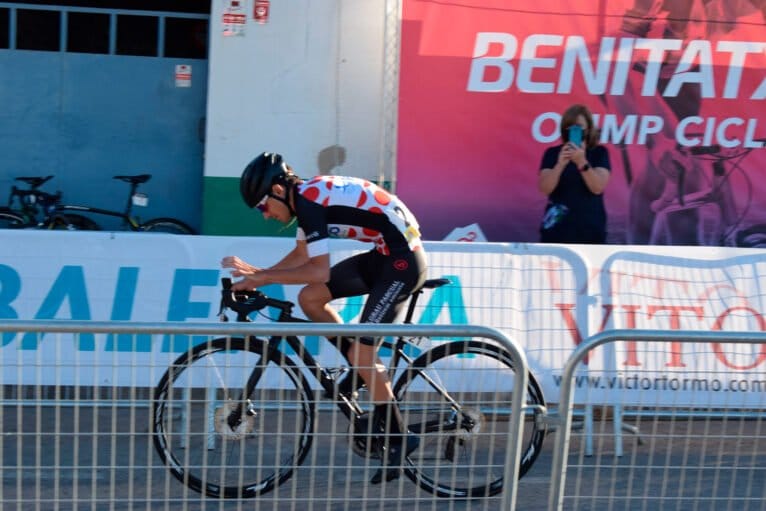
(434, 283)
(34, 182)
(136, 180)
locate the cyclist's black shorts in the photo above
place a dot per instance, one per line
(388, 280)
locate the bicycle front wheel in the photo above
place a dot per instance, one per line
(457, 399)
(167, 225)
(10, 220)
(193, 404)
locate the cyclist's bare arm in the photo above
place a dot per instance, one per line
(239, 268)
(296, 257)
(295, 268)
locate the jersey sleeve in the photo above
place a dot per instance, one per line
(550, 157)
(312, 227)
(599, 157)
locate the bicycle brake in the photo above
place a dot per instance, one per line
(244, 427)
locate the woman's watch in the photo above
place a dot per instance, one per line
(585, 168)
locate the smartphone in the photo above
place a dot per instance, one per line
(575, 134)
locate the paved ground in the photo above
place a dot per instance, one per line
(102, 458)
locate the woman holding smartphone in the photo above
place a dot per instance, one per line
(573, 175)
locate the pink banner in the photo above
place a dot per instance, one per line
(676, 87)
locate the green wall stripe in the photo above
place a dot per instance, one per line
(224, 213)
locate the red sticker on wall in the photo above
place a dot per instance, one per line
(261, 11)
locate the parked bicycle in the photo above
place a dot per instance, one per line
(48, 211)
(234, 417)
(719, 220)
(34, 208)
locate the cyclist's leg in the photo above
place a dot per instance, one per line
(395, 278)
(389, 281)
(346, 279)
(392, 279)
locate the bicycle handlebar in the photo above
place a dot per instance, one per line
(34, 196)
(247, 302)
(705, 149)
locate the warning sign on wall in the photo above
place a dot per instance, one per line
(234, 18)
(261, 11)
(183, 75)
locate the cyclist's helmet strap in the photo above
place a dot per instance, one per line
(289, 189)
(260, 174)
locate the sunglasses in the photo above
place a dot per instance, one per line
(262, 206)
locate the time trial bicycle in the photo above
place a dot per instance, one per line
(235, 417)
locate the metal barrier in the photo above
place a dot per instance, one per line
(717, 464)
(85, 444)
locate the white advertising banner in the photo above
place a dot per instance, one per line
(549, 298)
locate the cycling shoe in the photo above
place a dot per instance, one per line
(394, 453)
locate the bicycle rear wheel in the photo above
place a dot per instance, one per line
(457, 398)
(168, 225)
(10, 220)
(197, 394)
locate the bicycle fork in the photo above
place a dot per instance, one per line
(245, 407)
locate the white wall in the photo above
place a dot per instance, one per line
(309, 78)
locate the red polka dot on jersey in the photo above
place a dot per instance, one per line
(328, 184)
(375, 210)
(369, 232)
(314, 180)
(326, 201)
(351, 232)
(382, 197)
(311, 193)
(362, 199)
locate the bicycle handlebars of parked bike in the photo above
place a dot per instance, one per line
(33, 196)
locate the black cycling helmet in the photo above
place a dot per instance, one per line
(257, 178)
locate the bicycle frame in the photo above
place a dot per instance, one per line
(125, 215)
(32, 203)
(349, 407)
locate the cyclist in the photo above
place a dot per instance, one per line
(342, 207)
